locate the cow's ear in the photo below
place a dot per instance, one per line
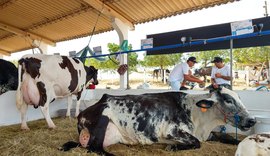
(86, 68)
(205, 103)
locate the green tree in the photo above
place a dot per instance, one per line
(112, 63)
(205, 57)
(161, 61)
(252, 55)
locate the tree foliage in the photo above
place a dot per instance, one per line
(243, 56)
(205, 57)
(112, 63)
(162, 61)
(251, 55)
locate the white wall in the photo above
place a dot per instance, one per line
(257, 102)
(9, 113)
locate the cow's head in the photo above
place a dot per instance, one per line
(91, 75)
(228, 106)
(197, 72)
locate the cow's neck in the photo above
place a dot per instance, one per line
(203, 122)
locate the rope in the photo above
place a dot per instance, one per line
(222, 129)
(92, 33)
(236, 119)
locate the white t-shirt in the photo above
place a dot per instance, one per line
(225, 71)
(178, 72)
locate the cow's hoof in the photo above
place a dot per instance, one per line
(25, 129)
(62, 149)
(52, 127)
(170, 148)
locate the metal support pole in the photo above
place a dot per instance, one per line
(231, 61)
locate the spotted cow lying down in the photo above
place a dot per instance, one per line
(8, 76)
(255, 145)
(178, 119)
(43, 78)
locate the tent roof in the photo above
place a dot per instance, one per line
(51, 21)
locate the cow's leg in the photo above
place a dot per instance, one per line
(69, 105)
(46, 112)
(205, 78)
(23, 110)
(69, 145)
(77, 108)
(22, 107)
(97, 135)
(79, 102)
(184, 140)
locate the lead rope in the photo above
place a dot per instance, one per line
(236, 119)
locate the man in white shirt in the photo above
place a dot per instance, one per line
(181, 72)
(221, 74)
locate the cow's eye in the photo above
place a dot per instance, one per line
(229, 100)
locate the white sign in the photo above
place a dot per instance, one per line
(242, 27)
(147, 43)
(97, 50)
(72, 53)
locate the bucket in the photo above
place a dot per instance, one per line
(92, 86)
(262, 125)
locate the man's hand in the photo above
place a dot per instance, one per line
(215, 85)
(218, 75)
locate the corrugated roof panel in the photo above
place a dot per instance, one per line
(59, 20)
(11, 43)
(67, 28)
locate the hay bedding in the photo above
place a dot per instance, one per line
(42, 141)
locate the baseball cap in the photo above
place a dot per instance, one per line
(192, 59)
(217, 59)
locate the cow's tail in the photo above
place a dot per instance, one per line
(19, 74)
(19, 96)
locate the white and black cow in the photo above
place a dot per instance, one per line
(175, 118)
(254, 145)
(42, 78)
(8, 76)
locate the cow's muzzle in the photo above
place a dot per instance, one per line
(250, 122)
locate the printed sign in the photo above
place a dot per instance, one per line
(242, 27)
(97, 50)
(147, 43)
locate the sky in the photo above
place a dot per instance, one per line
(231, 12)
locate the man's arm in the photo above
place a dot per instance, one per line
(191, 78)
(213, 80)
(218, 75)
